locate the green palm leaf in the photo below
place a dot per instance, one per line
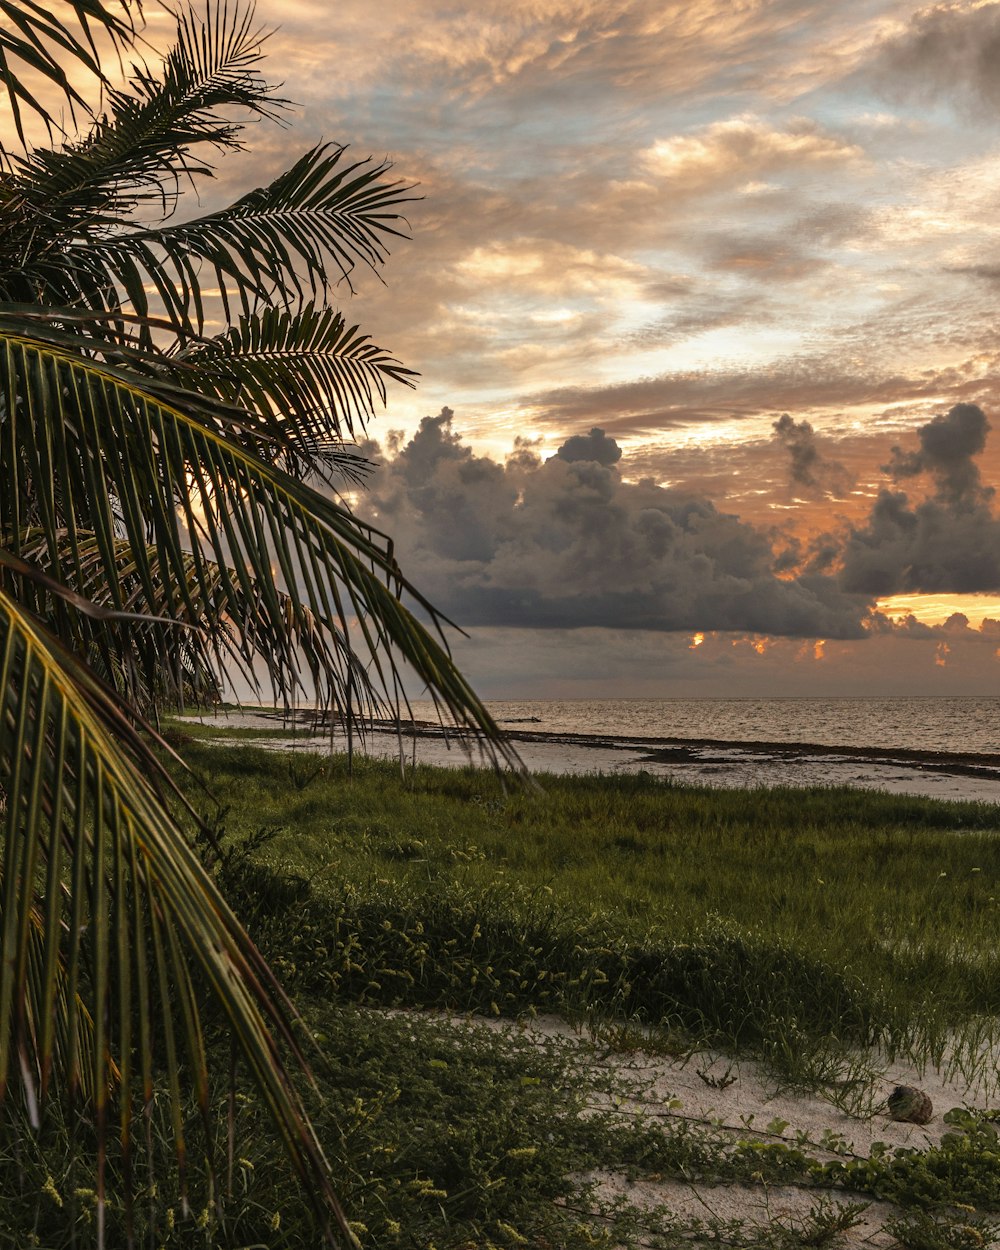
(311, 377)
(43, 40)
(293, 387)
(138, 650)
(142, 145)
(108, 915)
(149, 473)
(101, 451)
(280, 243)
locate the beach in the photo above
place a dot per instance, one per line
(926, 770)
(656, 1015)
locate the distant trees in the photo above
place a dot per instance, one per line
(158, 530)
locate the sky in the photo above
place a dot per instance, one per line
(703, 298)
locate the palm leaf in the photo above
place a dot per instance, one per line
(143, 143)
(106, 909)
(309, 381)
(106, 454)
(41, 41)
(314, 379)
(279, 243)
(137, 649)
(149, 473)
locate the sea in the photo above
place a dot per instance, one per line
(941, 747)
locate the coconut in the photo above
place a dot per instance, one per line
(910, 1104)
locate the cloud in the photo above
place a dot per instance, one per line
(546, 249)
(948, 444)
(768, 258)
(808, 468)
(947, 50)
(692, 397)
(799, 439)
(613, 663)
(742, 148)
(558, 52)
(948, 542)
(548, 267)
(567, 543)
(929, 547)
(595, 446)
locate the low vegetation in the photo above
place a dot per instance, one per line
(744, 916)
(803, 928)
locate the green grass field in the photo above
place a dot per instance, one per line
(729, 913)
(802, 928)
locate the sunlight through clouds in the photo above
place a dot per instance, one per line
(681, 224)
(740, 147)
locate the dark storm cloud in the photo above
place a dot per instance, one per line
(955, 629)
(947, 446)
(823, 553)
(946, 51)
(949, 542)
(808, 467)
(929, 548)
(595, 446)
(799, 439)
(566, 543)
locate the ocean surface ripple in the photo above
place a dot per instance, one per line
(941, 747)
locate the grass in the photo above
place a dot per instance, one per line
(745, 915)
(797, 926)
(450, 1138)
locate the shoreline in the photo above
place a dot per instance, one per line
(713, 761)
(978, 763)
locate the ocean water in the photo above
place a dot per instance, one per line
(938, 747)
(959, 725)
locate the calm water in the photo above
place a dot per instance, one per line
(940, 747)
(960, 725)
(737, 742)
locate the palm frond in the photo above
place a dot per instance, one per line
(139, 651)
(157, 532)
(109, 922)
(40, 42)
(314, 378)
(324, 216)
(145, 141)
(109, 456)
(295, 385)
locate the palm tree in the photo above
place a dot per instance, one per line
(160, 526)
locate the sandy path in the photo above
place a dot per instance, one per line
(738, 1100)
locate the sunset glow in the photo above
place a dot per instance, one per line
(936, 609)
(746, 252)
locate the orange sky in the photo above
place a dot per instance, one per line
(677, 224)
(703, 300)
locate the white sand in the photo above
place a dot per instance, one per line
(658, 1086)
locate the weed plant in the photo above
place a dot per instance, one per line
(793, 922)
(439, 1137)
(649, 911)
(451, 1137)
